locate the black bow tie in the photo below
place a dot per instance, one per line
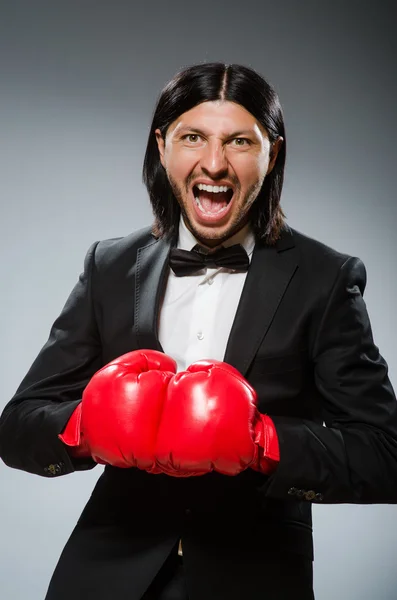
(187, 262)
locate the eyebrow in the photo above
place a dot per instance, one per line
(234, 134)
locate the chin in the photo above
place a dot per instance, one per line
(215, 235)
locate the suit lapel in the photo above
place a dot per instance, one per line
(150, 282)
(270, 272)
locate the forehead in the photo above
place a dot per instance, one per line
(219, 116)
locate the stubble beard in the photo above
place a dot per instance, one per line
(240, 219)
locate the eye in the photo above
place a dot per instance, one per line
(193, 138)
(241, 142)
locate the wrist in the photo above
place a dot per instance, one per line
(266, 440)
(72, 436)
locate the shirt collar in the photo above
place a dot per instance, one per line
(245, 237)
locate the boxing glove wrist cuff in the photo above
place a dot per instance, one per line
(266, 440)
(72, 437)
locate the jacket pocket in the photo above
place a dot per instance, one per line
(281, 363)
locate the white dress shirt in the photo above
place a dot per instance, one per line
(198, 310)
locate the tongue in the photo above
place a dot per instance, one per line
(213, 202)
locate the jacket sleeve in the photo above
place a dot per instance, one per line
(51, 390)
(352, 457)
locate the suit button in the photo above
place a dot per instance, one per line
(292, 491)
(319, 497)
(54, 469)
(310, 495)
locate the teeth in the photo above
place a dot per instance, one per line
(213, 188)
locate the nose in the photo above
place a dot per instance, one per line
(213, 160)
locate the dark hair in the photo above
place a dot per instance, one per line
(209, 82)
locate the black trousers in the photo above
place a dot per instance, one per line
(169, 583)
(294, 580)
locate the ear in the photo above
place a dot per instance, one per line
(274, 150)
(161, 145)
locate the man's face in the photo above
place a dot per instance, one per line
(216, 144)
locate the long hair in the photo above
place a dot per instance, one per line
(209, 82)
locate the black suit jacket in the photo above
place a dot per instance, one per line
(301, 336)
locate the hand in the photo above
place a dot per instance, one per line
(210, 422)
(117, 421)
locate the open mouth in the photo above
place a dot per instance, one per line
(212, 201)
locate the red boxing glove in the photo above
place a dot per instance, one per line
(266, 441)
(118, 419)
(210, 422)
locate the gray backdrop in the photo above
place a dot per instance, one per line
(78, 85)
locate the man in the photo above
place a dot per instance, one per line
(280, 399)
